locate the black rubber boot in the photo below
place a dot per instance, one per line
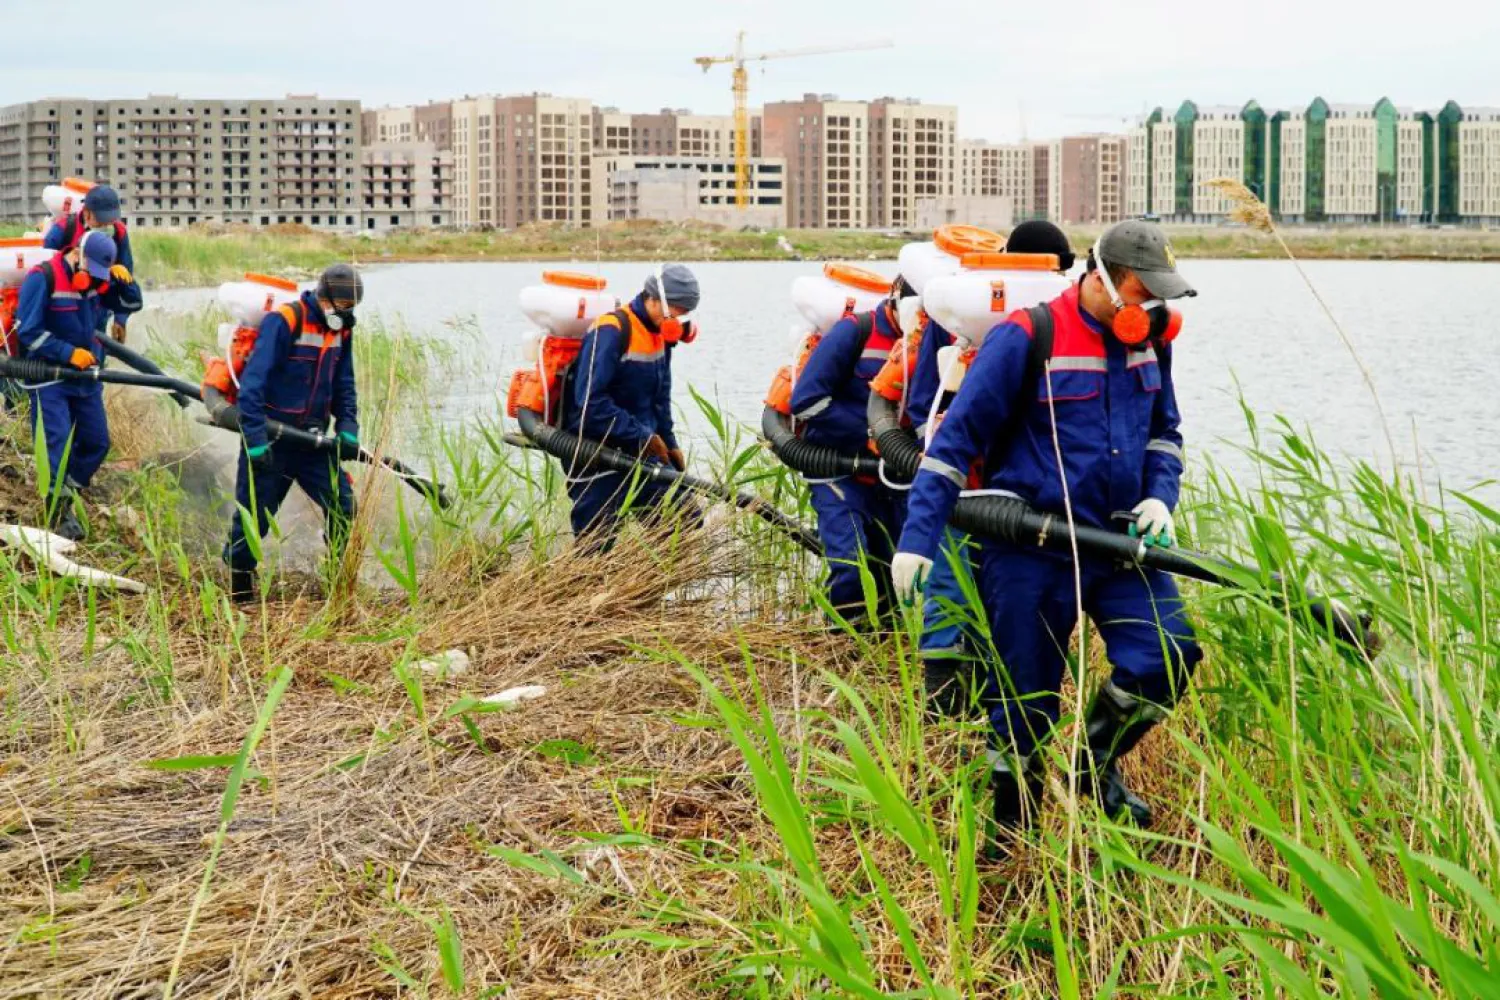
(1017, 801)
(242, 588)
(947, 694)
(1117, 720)
(1115, 798)
(64, 523)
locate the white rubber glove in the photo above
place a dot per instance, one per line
(1153, 522)
(909, 574)
(907, 311)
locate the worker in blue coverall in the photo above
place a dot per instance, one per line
(619, 392)
(856, 519)
(1116, 427)
(55, 323)
(100, 212)
(299, 373)
(950, 646)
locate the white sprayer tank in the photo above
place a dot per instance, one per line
(989, 287)
(840, 290)
(18, 256)
(566, 303)
(248, 302)
(66, 197)
(919, 263)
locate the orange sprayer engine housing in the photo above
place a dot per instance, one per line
(779, 397)
(539, 387)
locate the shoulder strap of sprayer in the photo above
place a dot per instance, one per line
(293, 314)
(866, 324)
(1040, 353)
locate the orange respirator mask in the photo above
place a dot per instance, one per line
(674, 330)
(1136, 324)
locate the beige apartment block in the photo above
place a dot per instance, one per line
(1110, 196)
(1137, 177)
(390, 125)
(1218, 151)
(998, 170)
(612, 131)
(825, 143)
(912, 156)
(525, 159)
(1479, 164)
(1411, 168)
(1293, 197)
(407, 185)
(679, 132)
(178, 161)
(713, 187)
(1163, 169)
(1349, 175)
(410, 123)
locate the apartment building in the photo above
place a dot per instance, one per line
(1111, 194)
(679, 132)
(411, 123)
(1479, 165)
(1088, 180)
(1349, 163)
(825, 143)
(713, 183)
(997, 170)
(1412, 176)
(612, 131)
(682, 189)
(1218, 151)
(913, 155)
(524, 159)
(1163, 170)
(1041, 172)
(406, 185)
(178, 161)
(1288, 200)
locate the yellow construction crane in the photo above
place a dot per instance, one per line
(741, 98)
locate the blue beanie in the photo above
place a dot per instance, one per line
(682, 287)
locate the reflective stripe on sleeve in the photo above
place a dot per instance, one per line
(948, 472)
(1166, 448)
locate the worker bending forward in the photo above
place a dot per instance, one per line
(299, 373)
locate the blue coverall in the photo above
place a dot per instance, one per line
(1116, 427)
(946, 621)
(830, 406)
(619, 392)
(55, 239)
(50, 325)
(300, 380)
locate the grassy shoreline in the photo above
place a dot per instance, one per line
(717, 796)
(211, 254)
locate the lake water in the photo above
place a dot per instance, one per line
(1424, 331)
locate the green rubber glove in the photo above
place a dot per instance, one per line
(348, 445)
(259, 455)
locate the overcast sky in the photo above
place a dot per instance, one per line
(1057, 68)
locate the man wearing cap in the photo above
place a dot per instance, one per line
(619, 392)
(101, 212)
(858, 520)
(55, 324)
(300, 373)
(1107, 404)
